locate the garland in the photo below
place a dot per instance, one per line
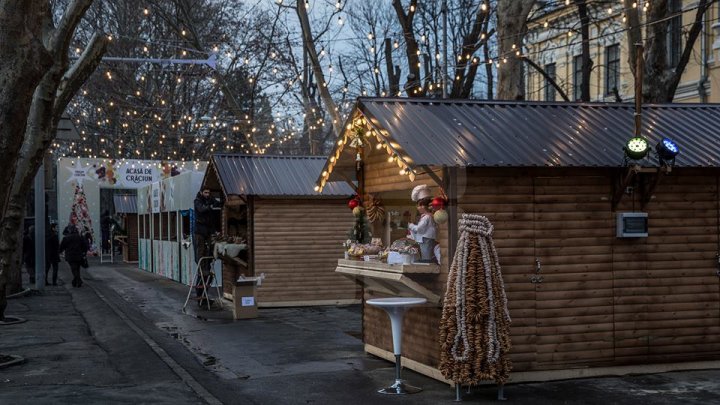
(475, 323)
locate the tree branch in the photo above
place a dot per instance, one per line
(79, 72)
(60, 40)
(693, 34)
(549, 79)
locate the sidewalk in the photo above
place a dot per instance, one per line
(103, 343)
(70, 361)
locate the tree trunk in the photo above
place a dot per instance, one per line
(393, 72)
(488, 72)
(587, 63)
(413, 86)
(40, 124)
(657, 72)
(317, 70)
(23, 61)
(511, 29)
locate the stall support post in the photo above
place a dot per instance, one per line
(40, 228)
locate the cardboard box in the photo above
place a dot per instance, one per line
(244, 300)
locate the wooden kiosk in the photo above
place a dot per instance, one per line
(585, 297)
(294, 234)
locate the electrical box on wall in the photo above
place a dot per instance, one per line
(632, 224)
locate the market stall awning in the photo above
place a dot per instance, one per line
(273, 175)
(125, 203)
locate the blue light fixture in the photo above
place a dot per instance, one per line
(667, 149)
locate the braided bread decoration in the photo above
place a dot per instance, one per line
(475, 323)
(374, 207)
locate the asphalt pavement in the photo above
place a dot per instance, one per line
(122, 338)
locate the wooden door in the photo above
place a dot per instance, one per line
(574, 280)
(506, 200)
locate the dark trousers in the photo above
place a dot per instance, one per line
(54, 266)
(202, 249)
(105, 241)
(31, 271)
(75, 269)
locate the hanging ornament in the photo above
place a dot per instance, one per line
(375, 209)
(438, 203)
(353, 203)
(440, 216)
(357, 137)
(357, 211)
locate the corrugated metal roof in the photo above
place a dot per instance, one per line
(274, 175)
(521, 134)
(125, 203)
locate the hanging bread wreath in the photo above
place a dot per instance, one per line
(374, 207)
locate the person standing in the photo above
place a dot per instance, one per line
(105, 222)
(28, 252)
(204, 206)
(52, 254)
(75, 247)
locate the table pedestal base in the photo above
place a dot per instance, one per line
(400, 388)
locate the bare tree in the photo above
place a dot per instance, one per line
(309, 46)
(661, 79)
(49, 97)
(512, 18)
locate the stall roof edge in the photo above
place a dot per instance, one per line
(273, 175)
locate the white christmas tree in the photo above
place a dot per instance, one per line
(80, 216)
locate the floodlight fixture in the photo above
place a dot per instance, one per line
(667, 149)
(636, 148)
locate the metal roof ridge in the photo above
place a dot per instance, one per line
(529, 103)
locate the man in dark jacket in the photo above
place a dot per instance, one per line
(204, 206)
(28, 252)
(52, 254)
(75, 247)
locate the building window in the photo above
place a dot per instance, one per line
(674, 33)
(577, 77)
(549, 88)
(612, 71)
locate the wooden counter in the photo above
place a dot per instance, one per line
(390, 279)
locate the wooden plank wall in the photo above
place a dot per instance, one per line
(603, 300)
(666, 290)
(297, 244)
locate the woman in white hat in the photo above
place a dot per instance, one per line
(425, 232)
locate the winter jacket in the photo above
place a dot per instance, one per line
(52, 248)
(75, 248)
(28, 251)
(203, 215)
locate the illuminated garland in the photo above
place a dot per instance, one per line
(475, 323)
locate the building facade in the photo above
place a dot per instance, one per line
(554, 43)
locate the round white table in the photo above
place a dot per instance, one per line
(395, 308)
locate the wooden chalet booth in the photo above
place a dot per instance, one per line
(164, 207)
(588, 292)
(294, 235)
(126, 205)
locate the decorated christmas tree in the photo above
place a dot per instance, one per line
(360, 231)
(80, 215)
